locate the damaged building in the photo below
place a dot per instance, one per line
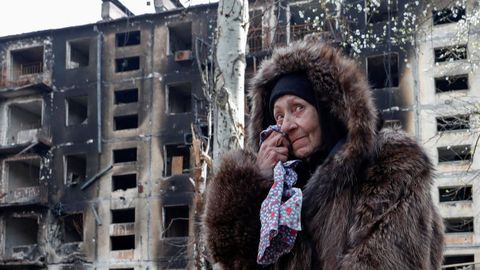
(95, 130)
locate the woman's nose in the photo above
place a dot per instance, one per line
(288, 124)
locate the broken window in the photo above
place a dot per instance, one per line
(124, 182)
(452, 53)
(127, 38)
(123, 242)
(383, 70)
(21, 232)
(78, 53)
(126, 96)
(23, 120)
(380, 11)
(393, 124)
(451, 83)
(180, 40)
(175, 221)
(27, 61)
(303, 20)
(123, 216)
(77, 110)
(72, 226)
(177, 160)
(127, 64)
(457, 122)
(255, 37)
(462, 262)
(75, 168)
(124, 155)
(456, 193)
(454, 153)
(455, 225)
(179, 97)
(125, 122)
(23, 173)
(448, 15)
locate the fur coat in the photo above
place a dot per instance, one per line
(368, 206)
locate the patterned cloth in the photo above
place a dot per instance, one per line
(280, 211)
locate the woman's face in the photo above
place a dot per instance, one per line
(300, 121)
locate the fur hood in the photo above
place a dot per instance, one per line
(337, 81)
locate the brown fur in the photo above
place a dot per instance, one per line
(366, 207)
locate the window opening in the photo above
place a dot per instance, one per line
(459, 259)
(454, 153)
(72, 228)
(24, 119)
(78, 53)
(125, 122)
(180, 36)
(124, 155)
(176, 221)
(255, 37)
(179, 98)
(452, 53)
(448, 15)
(27, 61)
(124, 182)
(23, 173)
(77, 110)
(178, 159)
(451, 83)
(123, 216)
(127, 38)
(123, 242)
(75, 169)
(126, 96)
(455, 225)
(456, 193)
(21, 231)
(380, 11)
(449, 123)
(383, 70)
(127, 64)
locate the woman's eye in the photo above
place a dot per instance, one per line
(278, 117)
(299, 108)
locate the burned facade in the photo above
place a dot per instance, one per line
(95, 131)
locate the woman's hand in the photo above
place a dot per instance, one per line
(272, 150)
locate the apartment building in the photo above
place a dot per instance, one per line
(95, 128)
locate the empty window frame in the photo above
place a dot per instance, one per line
(393, 124)
(125, 155)
(451, 53)
(123, 216)
(455, 225)
(177, 160)
(454, 153)
(179, 97)
(78, 53)
(180, 37)
(77, 110)
(380, 11)
(22, 119)
(302, 22)
(122, 122)
(75, 168)
(124, 242)
(451, 83)
(127, 64)
(26, 61)
(23, 173)
(462, 262)
(127, 38)
(124, 182)
(255, 37)
(455, 193)
(72, 226)
(175, 221)
(383, 70)
(448, 15)
(126, 96)
(21, 231)
(455, 122)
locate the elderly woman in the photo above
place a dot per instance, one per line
(362, 192)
